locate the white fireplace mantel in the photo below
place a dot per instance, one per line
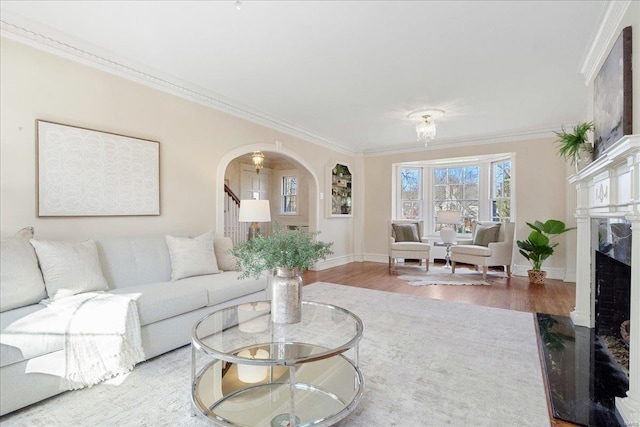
(610, 188)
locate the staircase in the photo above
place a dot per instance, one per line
(234, 229)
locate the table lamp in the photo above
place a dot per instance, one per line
(254, 211)
(449, 219)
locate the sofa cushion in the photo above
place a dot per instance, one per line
(158, 301)
(406, 232)
(485, 234)
(29, 332)
(132, 261)
(471, 250)
(20, 277)
(69, 268)
(226, 261)
(192, 256)
(225, 287)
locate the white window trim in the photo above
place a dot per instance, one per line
(483, 162)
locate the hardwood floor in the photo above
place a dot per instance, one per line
(554, 297)
(515, 293)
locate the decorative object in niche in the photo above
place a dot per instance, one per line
(612, 95)
(341, 190)
(84, 172)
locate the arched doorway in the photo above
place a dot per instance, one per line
(280, 164)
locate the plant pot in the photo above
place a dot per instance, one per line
(286, 296)
(537, 276)
(582, 159)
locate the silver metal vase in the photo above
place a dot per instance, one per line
(286, 296)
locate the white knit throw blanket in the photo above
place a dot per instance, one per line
(102, 337)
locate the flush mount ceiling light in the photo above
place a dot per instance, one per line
(258, 160)
(426, 124)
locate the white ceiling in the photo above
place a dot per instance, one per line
(347, 73)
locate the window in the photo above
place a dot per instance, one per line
(411, 192)
(501, 191)
(479, 187)
(290, 194)
(457, 189)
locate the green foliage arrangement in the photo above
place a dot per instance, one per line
(282, 249)
(538, 246)
(571, 144)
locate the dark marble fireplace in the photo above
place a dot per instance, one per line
(612, 302)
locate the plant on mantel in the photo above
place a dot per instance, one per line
(538, 246)
(573, 146)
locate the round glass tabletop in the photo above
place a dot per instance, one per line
(245, 334)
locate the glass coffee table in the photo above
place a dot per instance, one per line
(267, 374)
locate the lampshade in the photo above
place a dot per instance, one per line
(254, 211)
(447, 232)
(448, 217)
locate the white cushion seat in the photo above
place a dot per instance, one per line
(472, 250)
(159, 301)
(222, 288)
(408, 246)
(29, 332)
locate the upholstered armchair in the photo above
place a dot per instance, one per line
(406, 242)
(491, 245)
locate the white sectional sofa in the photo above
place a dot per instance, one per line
(32, 357)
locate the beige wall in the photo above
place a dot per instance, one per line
(193, 139)
(539, 176)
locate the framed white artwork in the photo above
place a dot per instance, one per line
(84, 172)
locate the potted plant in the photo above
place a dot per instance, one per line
(538, 246)
(575, 146)
(285, 253)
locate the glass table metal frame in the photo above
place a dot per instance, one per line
(268, 374)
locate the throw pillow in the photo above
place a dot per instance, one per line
(406, 232)
(20, 277)
(192, 256)
(485, 234)
(69, 268)
(221, 247)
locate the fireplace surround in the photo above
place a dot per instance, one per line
(609, 188)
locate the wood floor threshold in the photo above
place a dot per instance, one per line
(515, 293)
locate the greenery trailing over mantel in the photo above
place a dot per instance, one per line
(571, 144)
(538, 246)
(283, 248)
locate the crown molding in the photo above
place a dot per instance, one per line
(604, 36)
(448, 143)
(44, 40)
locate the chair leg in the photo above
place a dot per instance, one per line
(426, 264)
(508, 270)
(453, 267)
(484, 272)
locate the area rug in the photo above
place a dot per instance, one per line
(443, 276)
(426, 362)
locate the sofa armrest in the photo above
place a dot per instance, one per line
(501, 251)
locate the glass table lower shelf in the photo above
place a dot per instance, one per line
(314, 393)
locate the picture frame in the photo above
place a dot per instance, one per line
(613, 95)
(86, 172)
